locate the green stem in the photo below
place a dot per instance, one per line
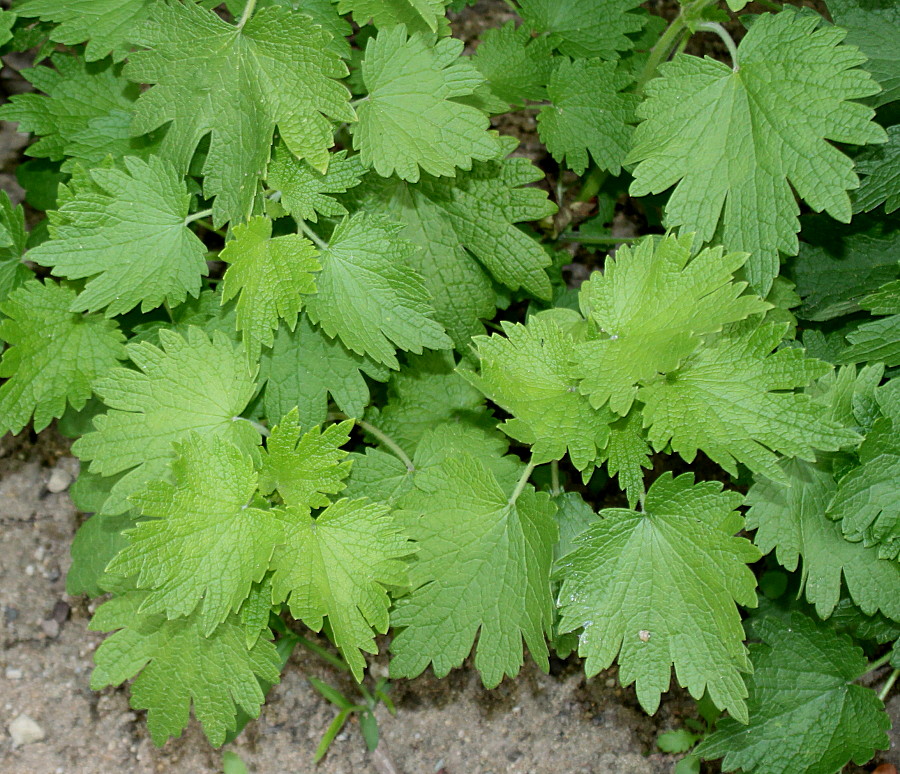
(554, 478)
(198, 216)
(248, 12)
(523, 480)
(261, 429)
(594, 240)
(660, 52)
(879, 662)
(719, 30)
(208, 225)
(886, 689)
(322, 245)
(593, 181)
(382, 436)
(314, 647)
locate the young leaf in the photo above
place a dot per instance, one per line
(417, 15)
(652, 305)
(529, 373)
(13, 241)
(190, 384)
(589, 113)
(585, 28)
(880, 167)
(203, 543)
(465, 227)
(627, 453)
(271, 276)
(305, 366)
(305, 192)
(806, 714)
(305, 470)
(516, 66)
(369, 296)
(125, 230)
(791, 518)
(55, 356)
(737, 145)
(236, 83)
(180, 666)
(659, 588)
(733, 400)
(107, 26)
(483, 567)
(409, 120)
(338, 565)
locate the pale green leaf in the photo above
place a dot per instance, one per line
(517, 66)
(13, 241)
(417, 15)
(880, 168)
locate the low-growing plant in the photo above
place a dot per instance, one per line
(276, 234)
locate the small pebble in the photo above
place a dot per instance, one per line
(59, 481)
(24, 730)
(50, 628)
(13, 674)
(29, 570)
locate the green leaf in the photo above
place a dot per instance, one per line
(305, 192)
(55, 356)
(734, 400)
(270, 276)
(573, 516)
(627, 453)
(410, 120)
(529, 373)
(84, 114)
(465, 229)
(483, 567)
(679, 741)
(877, 341)
(880, 167)
(190, 384)
(369, 296)
(736, 146)
(874, 26)
(659, 588)
(180, 666)
(589, 113)
(203, 541)
(237, 83)
(791, 518)
(651, 306)
(107, 26)
(806, 714)
(417, 15)
(96, 542)
(125, 231)
(585, 28)
(425, 394)
(338, 565)
(305, 470)
(516, 66)
(13, 241)
(305, 366)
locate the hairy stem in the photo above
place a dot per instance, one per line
(198, 216)
(320, 243)
(523, 480)
(719, 30)
(382, 436)
(886, 689)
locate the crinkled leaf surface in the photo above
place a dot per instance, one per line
(95, 543)
(338, 565)
(125, 231)
(529, 373)
(465, 229)
(736, 145)
(880, 167)
(180, 666)
(417, 15)
(189, 384)
(55, 356)
(305, 366)
(585, 28)
(627, 453)
(13, 240)
(660, 588)
(791, 518)
(306, 193)
(270, 276)
(410, 120)
(589, 114)
(237, 83)
(516, 65)
(733, 399)
(651, 306)
(203, 542)
(877, 341)
(107, 26)
(806, 714)
(483, 567)
(369, 296)
(307, 468)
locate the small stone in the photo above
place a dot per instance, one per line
(29, 570)
(50, 628)
(60, 480)
(13, 674)
(24, 730)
